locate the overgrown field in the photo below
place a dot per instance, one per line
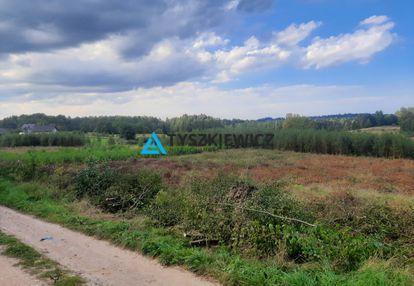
(245, 216)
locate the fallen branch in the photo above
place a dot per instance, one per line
(204, 241)
(268, 213)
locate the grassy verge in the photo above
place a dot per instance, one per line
(221, 263)
(37, 264)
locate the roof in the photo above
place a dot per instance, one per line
(38, 128)
(43, 128)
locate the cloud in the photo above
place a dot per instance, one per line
(294, 34)
(209, 39)
(254, 5)
(252, 55)
(42, 25)
(375, 20)
(196, 98)
(137, 58)
(111, 63)
(101, 65)
(373, 36)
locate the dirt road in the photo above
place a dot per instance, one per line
(12, 275)
(99, 262)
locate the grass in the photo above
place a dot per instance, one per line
(221, 263)
(319, 171)
(36, 263)
(69, 154)
(243, 158)
(81, 154)
(380, 129)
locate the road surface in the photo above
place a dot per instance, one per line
(97, 261)
(13, 275)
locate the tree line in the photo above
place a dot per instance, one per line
(322, 142)
(345, 143)
(186, 123)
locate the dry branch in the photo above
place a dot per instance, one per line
(270, 214)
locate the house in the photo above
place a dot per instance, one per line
(34, 128)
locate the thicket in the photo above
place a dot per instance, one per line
(345, 143)
(49, 139)
(262, 221)
(114, 191)
(330, 142)
(259, 220)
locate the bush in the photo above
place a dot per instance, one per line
(237, 213)
(131, 191)
(94, 179)
(113, 191)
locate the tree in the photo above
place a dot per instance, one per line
(406, 119)
(128, 132)
(379, 118)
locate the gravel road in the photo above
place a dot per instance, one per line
(12, 275)
(99, 262)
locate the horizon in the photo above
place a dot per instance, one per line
(187, 114)
(229, 59)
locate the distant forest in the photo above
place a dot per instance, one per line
(188, 123)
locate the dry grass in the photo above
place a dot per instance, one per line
(381, 129)
(313, 171)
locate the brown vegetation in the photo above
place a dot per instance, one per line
(331, 171)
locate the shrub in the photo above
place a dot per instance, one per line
(93, 180)
(131, 191)
(236, 213)
(113, 191)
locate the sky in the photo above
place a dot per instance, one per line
(244, 59)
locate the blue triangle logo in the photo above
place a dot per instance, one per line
(153, 146)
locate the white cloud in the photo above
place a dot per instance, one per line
(196, 98)
(209, 39)
(294, 34)
(251, 56)
(360, 45)
(376, 20)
